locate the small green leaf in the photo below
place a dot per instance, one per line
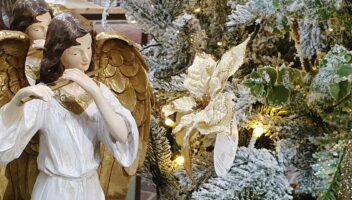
(255, 75)
(278, 95)
(339, 90)
(334, 90)
(348, 58)
(344, 70)
(295, 76)
(270, 71)
(345, 89)
(258, 91)
(248, 83)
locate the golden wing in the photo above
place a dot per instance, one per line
(125, 73)
(13, 51)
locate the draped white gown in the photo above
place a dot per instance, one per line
(69, 147)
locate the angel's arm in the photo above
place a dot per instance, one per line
(114, 121)
(18, 123)
(117, 128)
(14, 109)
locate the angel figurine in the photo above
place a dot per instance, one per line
(32, 17)
(19, 178)
(76, 118)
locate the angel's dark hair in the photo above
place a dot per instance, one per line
(62, 33)
(25, 13)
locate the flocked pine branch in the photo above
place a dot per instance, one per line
(281, 13)
(255, 174)
(176, 52)
(250, 12)
(158, 160)
(174, 32)
(244, 101)
(175, 83)
(328, 166)
(213, 16)
(311, 37)
(153, 16)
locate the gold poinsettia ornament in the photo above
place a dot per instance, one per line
(209, 110)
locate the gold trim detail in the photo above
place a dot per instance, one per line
(74, 104)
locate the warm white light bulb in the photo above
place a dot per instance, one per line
(169, 123)
(219, 43)
(180, 160)
(197, 10)
(258, 131)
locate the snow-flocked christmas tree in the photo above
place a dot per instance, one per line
(287, 89)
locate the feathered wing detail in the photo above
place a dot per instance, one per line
(13, 52)
(125, 73)
(16, 180)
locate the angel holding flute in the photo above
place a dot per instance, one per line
(73, 120)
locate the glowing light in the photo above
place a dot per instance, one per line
(331, 30)
(133, 22)
(180, 160)
(168, 122)
(197, 10)
(219, 43)
(258, 130)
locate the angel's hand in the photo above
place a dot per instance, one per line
(38, 44)
(82, 80)
(14, 109)
(38, 91)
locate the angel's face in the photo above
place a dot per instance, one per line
(37, 31)
(78, 56)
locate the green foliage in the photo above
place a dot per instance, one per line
(341, 90)
(330, 91)
(274, 85)
(328, 166)
(158, 160)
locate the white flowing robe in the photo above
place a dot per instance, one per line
(69, 147)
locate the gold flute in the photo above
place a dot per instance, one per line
(61, 83)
